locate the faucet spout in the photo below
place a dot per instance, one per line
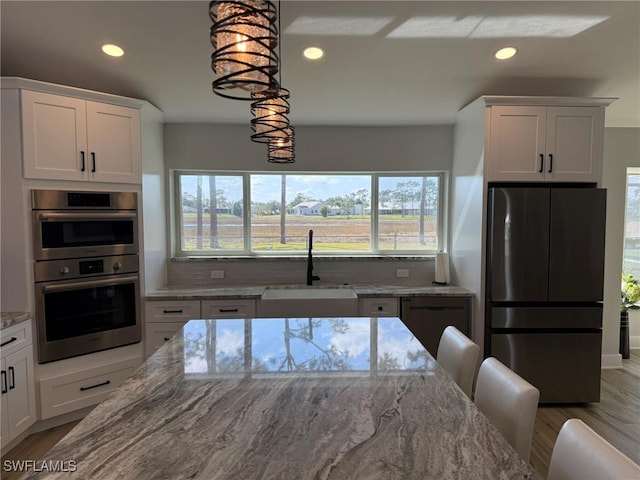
(310, 276)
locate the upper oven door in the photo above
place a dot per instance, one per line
(69, 234)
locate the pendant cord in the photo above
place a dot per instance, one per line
(280, 42)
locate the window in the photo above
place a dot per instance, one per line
(348, 213)
(211, 211)
(631, 256)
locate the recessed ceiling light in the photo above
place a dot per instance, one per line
(313, 53)
(112, 50)
(506, 52)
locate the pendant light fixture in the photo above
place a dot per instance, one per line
(244, 37)
(282, 150)
(271, 122)
(270, 114)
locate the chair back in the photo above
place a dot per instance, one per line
(509, 402)
(458, 355)
(581, 454)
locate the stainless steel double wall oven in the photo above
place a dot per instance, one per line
(85, 271)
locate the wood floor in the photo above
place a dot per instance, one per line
(616, 417)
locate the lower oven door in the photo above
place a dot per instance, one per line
(77, 317)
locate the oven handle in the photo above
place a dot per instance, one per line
(78, 217)
(119, 280)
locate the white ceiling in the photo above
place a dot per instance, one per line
(374, 72)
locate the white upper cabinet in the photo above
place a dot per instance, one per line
(67, 138)
(540, 143)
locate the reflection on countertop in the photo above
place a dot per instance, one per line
(8, 319)
(340, 398)
(185, 292)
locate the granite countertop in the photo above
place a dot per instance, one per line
(182, 292)
(8, 319)
(346, 398)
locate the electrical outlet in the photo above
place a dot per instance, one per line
(217, 273)
(402, 272)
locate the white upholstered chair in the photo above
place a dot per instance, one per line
(509, 402)
(458, 355)
(582, 454)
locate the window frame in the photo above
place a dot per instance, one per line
(176, 219)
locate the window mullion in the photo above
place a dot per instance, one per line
(246, 219)
(374, 213)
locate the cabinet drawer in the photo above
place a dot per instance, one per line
(427, 317)
(379, 307)
(15, 337)
(156, 334)
(172, 311)
(72, 391)
(241, 308)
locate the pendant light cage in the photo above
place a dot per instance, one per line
(282, 150)
(270, 120)
(244, 36)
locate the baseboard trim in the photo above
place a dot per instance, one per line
(611, 361)
(48, 423)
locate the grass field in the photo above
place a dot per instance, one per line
(335, 233)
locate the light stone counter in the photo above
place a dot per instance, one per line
(181, 292)
(351, 398)
(8, 319)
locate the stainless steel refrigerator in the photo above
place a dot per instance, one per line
(544, 284)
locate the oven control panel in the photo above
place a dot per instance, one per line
(46, 271)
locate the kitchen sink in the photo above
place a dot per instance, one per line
(308, 302)
(307, 293)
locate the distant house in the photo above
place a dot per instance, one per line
(221, 208)
(307, 208)
(357, 209)
(397, 208)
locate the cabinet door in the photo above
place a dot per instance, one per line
(54, 136)
(21, 396)
(4, 404)
(114, 143)
(159, 333)
(574, 144)
(427, 317)
(516, 141)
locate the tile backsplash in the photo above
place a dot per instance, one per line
(285, 270)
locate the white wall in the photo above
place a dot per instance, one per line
(467, 209)
(621, 150)
(154, 203)
(323, 149)
(318, 149)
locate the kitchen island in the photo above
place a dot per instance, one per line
(332, 398)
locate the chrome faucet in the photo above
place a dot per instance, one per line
(310, 276)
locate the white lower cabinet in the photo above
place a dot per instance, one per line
(75, 390)
(158, 333)
(18, 382)
(379, 307)
(164, 318)
(235, 308)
